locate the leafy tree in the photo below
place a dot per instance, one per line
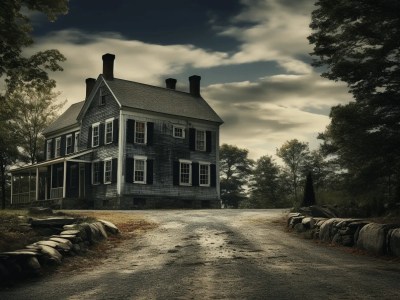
(37, 108)
(235, 169)
(15, 35)
(266, 187)
(309, 195)
(295, 155)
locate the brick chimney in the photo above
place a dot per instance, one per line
(170, 83)
(108, 66)
(195, 85)
(90, 82)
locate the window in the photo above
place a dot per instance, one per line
(179, 132)
(200, 140)
(185, 173)
(76, 146)
(140, 132)
(139, 170)
(68, 144)
(96, 172)
(108, 135)
(204, 174)
(102, 98)
(48, 149)
(58, 147)
(95, 134)
(107, 170)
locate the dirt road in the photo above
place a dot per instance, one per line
(222, 254)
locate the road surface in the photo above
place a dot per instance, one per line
(221, 254)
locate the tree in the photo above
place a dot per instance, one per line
(357, 42)
(37, 108)
(15, 35)
(235, 168)
(295, 155)
(266, 187)
(309, 195)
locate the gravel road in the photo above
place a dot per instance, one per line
(221, 254)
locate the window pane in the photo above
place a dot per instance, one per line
(200, 140)
(204, 171)
(185, 173)
(140, 132)
(139, 170)
(107, 171)
(95, 136)
(109, 132)
(96, 172)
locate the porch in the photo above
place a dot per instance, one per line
(53, 182)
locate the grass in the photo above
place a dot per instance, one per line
(16, 233)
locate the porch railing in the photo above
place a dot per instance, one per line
(56, 193)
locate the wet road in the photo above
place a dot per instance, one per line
(222, 254)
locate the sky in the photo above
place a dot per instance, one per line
(252, 55)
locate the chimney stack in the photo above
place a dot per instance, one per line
(170, 83)
(108, 66)
(195, 85)
(90, 82)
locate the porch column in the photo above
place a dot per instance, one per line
(65, 179)
(37, 184)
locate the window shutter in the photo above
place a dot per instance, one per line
(115, 131)
(53, 148)
(195, 174)
(130, 131)
(62, 150)
(129, 170)
(192, 139)
(149, 171)
(208, 141)
(175, 169)
(213, 175)
(101, 134)
(150, 133)
(73, 143)
(114, 169)
(89, 137)
(101, 163)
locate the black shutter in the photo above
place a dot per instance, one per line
(192, 139)
(175, 169)
(195, 174)
(129, 170)
(89, 141)
(73, 143)
(130, 131)
(150, 133)
(101, 134)
(149, 171)
(115, 131)
(213, 175)
(53, 148)
(62, 150)
(114, 169)
(101, 177)
(208, 141)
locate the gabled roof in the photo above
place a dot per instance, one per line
(67, 119)
(145, 97)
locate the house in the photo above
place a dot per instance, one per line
(127, 145)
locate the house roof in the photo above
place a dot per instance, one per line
(162, 100)
(67, 119)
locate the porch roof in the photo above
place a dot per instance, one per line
(57, 160)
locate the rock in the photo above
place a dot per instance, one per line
(326, 232)
(61, 240)
(97, 232)
(295, 220)
(372, 237)
(53, 222)
(308, 234)
(348, 240)
(394, 241)
(73, 232)
(22, 252)
(52, 254)
(40, 211)
(71, 237)
(110, 227)
(299, 227)
(47, 243)
(308, 222)
(70, 227)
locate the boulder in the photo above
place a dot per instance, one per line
(40, 211)
(394, 241)
(295, 220)
(97, 232)
(372, 237)
(61, 240)
(51, 254)
(53, 222)
(327, 230)
(308, 222)
(110, 227)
